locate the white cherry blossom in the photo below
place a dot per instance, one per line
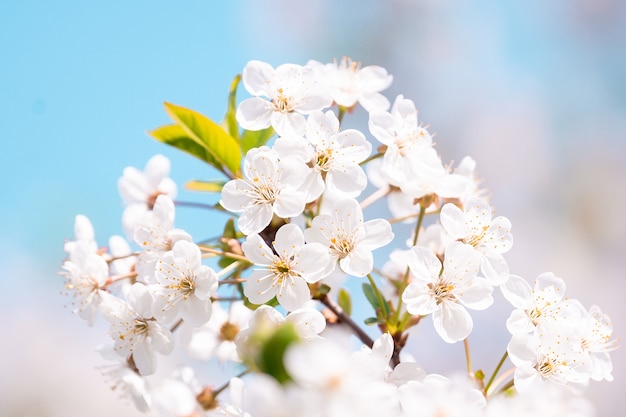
(350, 83)
(139, 189)
(446, 294)
(286, 271)
(271, 186)
(437, 395)
(282, 97)
(85, 274)
(491, 237)
(349, 239)
(156, 234)
(185, 286)
(134, 330)
(542, 303)
(83, 232)
(594, 338)
(334, 155)
(548, 359)
(216, 338)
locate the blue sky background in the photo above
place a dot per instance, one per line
(535, 93)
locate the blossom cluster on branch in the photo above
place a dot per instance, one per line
(271, 293)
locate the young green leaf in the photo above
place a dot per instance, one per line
(214, 186)
(222, 146)
(174, 135)
(230, 120)
(344, 301)
(255, 138)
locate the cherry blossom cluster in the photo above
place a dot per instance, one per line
(273, 293)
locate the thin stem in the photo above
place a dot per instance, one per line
(115, 258)
(176, 325)
(499, 380)
(468, 358)
(198, 205)
(381, 300)
(217, 252)
(223, 387)
(418, 227)
(342, 112)
(371, 158)
(405, 280)
(233, 281)
(375, 196)
(495, 372)
(228, 269)
(506, 386)
(344, 318)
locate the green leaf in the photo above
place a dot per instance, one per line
(230, 120)
(174, 135)
(344, 301)
(255, 138)
(222, 146)
(273, 350)
(229, 229)
(370, 294)
(370, 321)
(214, 186)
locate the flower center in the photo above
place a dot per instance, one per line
(324, 159)
(341, 246)
(282, 102)
(441, 290)
(547, 367)
(229, 331)
(186, 285)
(281, 270)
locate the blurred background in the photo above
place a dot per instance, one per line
(534, 91)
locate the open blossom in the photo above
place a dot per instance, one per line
(156, 234)
(544, 303)
(334, 155)
(134, 330)
(216, 338)
(139, 189)
(286, 271)
(490, 237)
(436, 396)
(348, 238)
(185, 286)
(548, 359)
(410, 162)
(446, 294)
(271, 186)
(282, 97)
(350, 83)
(86, 274)
(83, 232)
(594, 338)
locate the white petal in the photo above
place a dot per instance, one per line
(287, 238)
(452, 322)
(254, 219)
(418, 300)
(452, 219)
(517, 291)
(254, 114)
(256, 76)
(359, 262)
(294, 294)
(257, 251)
(260, 287)
(195, 311)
